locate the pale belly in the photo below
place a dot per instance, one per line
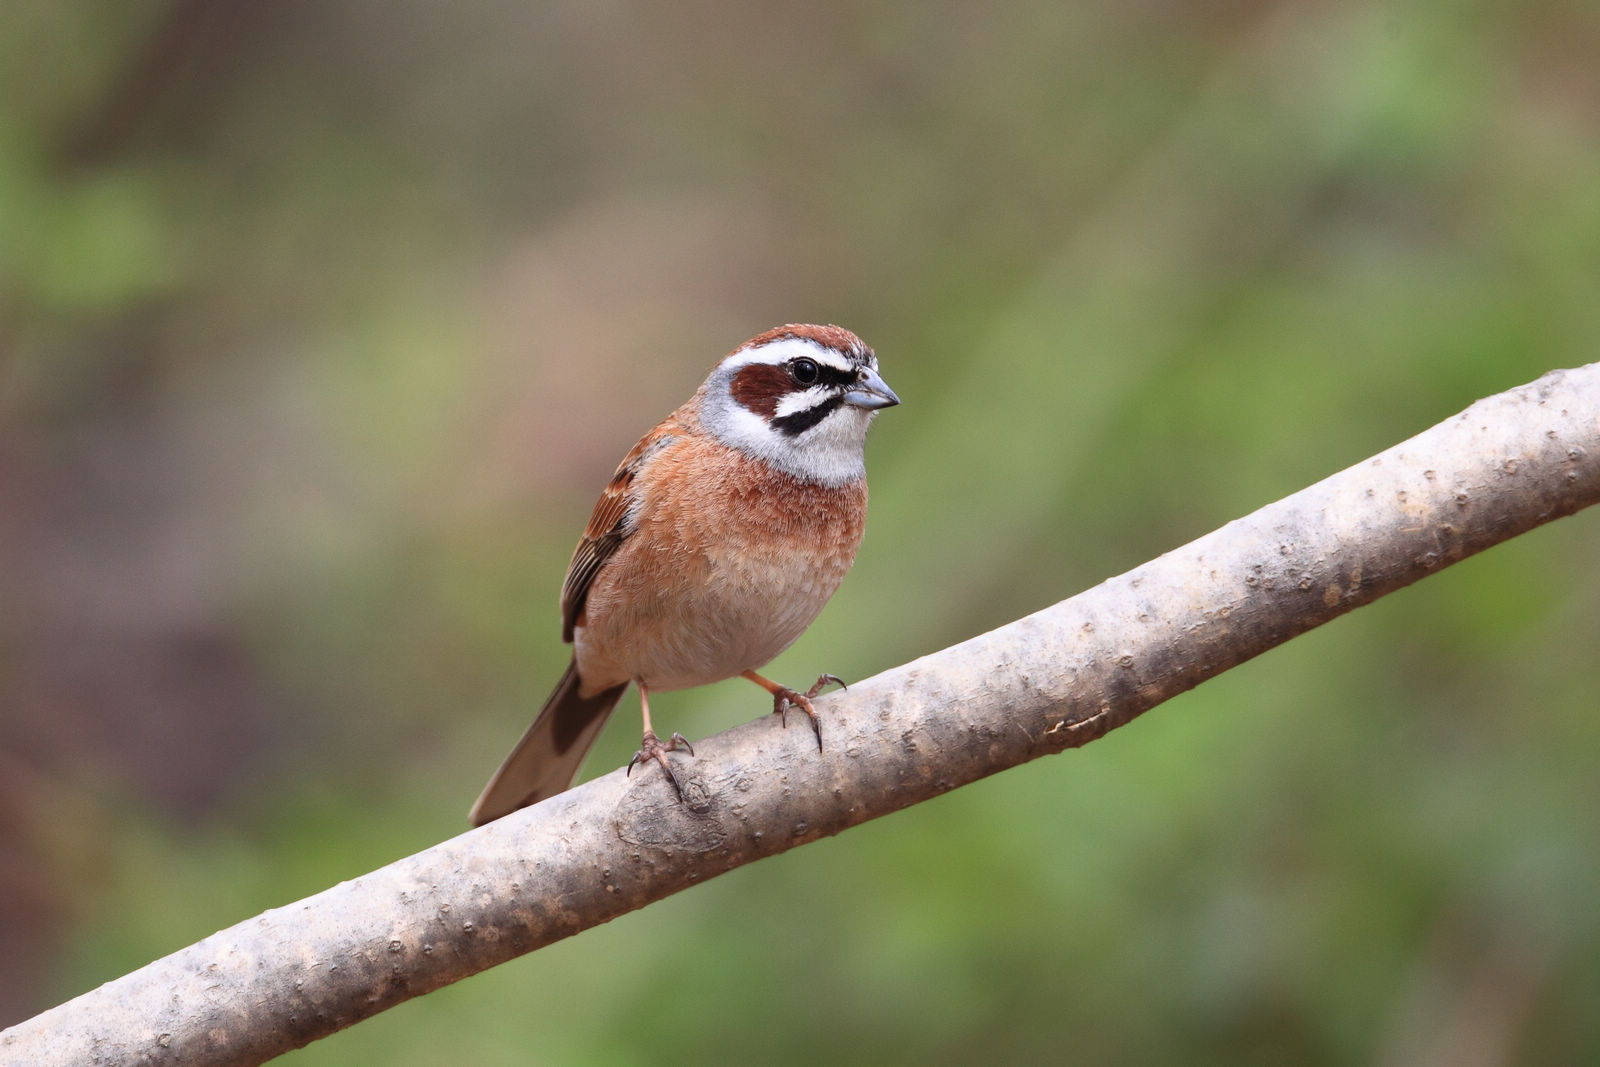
(719, 614)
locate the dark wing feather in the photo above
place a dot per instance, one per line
(608, 526)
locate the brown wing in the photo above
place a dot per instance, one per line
(609, 525)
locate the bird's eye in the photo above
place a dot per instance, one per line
(804, 371)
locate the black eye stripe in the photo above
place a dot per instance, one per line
(831, 376)
(801, 421)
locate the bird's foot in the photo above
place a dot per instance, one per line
(784, 698)
(651, 748)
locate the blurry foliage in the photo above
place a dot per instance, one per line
(320, 325)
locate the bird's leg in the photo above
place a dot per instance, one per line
(783, 698)
(650, 746)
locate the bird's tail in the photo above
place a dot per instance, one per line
(546, 760)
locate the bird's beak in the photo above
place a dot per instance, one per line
(871, 392)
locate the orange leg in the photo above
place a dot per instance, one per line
(783, 698)
(650, 746)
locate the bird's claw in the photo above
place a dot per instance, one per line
(651, 748)
(823, 680)
(784, 698)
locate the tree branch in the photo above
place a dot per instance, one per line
(1054, 680)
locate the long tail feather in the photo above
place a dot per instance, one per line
(546, 760)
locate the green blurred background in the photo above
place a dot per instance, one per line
(321, 324)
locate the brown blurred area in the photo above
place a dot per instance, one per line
(156, 430)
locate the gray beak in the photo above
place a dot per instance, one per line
(871, 392)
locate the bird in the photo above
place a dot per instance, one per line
(716, 543)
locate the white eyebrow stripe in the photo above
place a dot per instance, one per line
(786, 348)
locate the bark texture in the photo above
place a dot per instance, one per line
(1054, 680)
